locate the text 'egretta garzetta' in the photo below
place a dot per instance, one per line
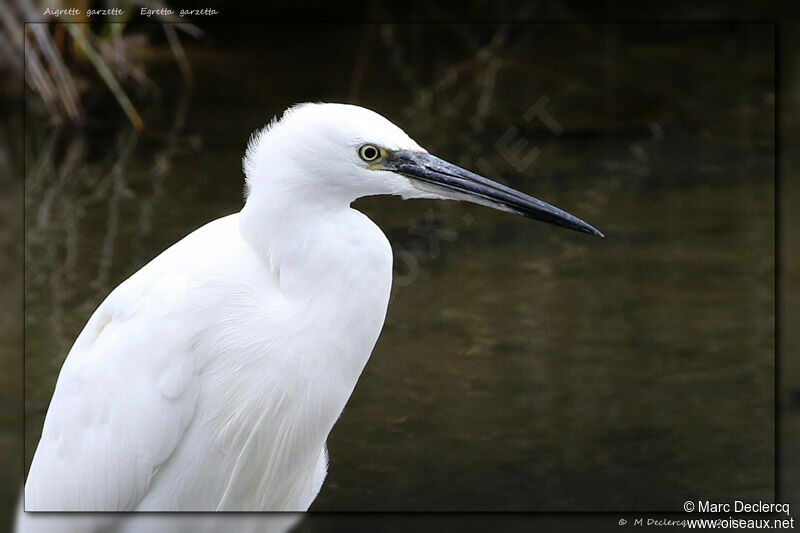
(211, 378)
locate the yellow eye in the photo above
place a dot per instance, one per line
(369, 153)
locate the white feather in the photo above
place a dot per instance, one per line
(210, 379)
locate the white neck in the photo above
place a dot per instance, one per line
(289, 232)
(334, 264)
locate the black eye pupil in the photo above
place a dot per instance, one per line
(370, 153)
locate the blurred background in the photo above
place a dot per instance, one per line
(522, 367)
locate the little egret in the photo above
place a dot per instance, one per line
(210, 379)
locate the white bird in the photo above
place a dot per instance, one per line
(210, 379)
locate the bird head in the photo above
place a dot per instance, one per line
(334, 153)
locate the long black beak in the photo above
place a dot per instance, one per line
(445, 178)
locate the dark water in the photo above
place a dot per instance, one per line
(522, 367)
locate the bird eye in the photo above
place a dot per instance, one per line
(369, 152)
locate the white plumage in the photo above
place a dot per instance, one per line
(210, 379)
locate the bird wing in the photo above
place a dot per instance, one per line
(123, 400)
